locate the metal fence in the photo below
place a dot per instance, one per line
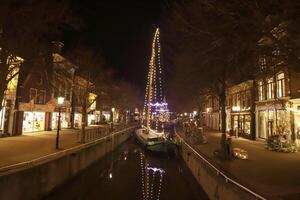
(219, 172)
(95, 133)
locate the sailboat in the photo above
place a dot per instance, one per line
(156, 114)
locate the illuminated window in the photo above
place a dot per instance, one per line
(270, 88)
(276, 52)
(262, 62)
(261, 91)
(280, 85)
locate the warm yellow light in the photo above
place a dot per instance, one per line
(113, 109)
(236, 108)
(60, 100)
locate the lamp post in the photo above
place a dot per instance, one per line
(60, 102)
(112, 118)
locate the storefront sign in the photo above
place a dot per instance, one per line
(36, 107)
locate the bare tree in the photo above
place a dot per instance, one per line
(92, 77)
(26, 30)
(217, 41)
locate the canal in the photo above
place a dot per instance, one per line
(131, 173)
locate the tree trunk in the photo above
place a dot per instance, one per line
(223, 107)
(83, 122)
(252, 112)
(4, 71)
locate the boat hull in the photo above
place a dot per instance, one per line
(162, 146)
(155, 146)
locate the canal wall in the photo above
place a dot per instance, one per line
(216, 186)
(31, 180)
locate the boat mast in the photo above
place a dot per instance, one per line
(151, 84)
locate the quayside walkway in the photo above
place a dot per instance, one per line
(27, 147)
(272, 174)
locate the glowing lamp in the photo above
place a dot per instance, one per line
(60, 100)
(236, 108)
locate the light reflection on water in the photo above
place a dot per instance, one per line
(130, 173)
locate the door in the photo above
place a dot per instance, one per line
(262, 122)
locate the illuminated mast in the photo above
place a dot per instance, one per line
(155, 105)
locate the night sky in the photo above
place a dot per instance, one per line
(123, 29)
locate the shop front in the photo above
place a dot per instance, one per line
(65, 120)
(273, 119)
(2, 118)
(241, 124)
(35, 117)
(106, 116)
(94, 118)
(77, 120)
(33, 121)
(295, 111)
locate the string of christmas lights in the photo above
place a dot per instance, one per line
(155, 106)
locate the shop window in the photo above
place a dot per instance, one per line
(41, 97)
(280, 85)
(32, 94)
(270, 88)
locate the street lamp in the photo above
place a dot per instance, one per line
(112, 118)
(60, 102)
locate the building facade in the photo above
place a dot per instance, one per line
(10, 95)
(277, 107)
(240, 112)
(212, 112)
(36, 105)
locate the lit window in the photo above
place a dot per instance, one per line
(262, 62)
(260, 91)
(280, 85)
(270, 88)
(276, 52)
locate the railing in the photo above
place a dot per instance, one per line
(219, 172)
(95, 133)
(34, 162)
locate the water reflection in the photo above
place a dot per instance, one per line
(152, 178)
(130, 173)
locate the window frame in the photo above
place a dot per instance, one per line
(280, 85)
(270, 88)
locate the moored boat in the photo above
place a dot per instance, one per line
(151, 139)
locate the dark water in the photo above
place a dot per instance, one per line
(130, 173)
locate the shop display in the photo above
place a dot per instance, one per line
(33, 121)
